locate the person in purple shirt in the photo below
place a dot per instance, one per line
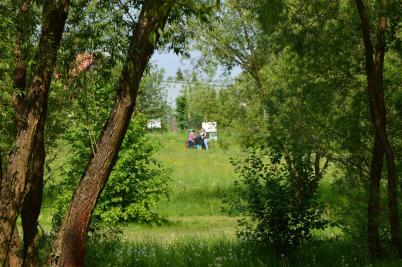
(191, 139)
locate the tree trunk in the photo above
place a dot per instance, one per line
(13, 184)
(70, 243)
(1, 166)
(373, 208)
(33, 199)
(14, 258)
(375, 84)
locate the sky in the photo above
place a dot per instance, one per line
(171, 62)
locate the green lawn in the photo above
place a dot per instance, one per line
(197, 233)
(201, 181)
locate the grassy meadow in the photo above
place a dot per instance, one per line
(201, 181)
(197, 229)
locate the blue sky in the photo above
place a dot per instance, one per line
(171, 62)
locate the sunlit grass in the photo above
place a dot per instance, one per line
(201, 178)
(195, 232)
(204, 227)
(226, 252)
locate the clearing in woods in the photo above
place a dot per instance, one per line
(201, 182)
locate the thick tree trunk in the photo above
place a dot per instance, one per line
(373, 208)
(12, 190)
(33, 199)
(14, 258)
(70, 243)
(375, 73)
(1, 166)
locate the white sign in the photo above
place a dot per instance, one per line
(210, 127)
(154, 124)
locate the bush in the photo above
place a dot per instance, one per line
(137, 181)
(268, 197)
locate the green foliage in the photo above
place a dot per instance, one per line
(151, 100)
(181, 112)
(135, 185)
(279, 218)
(137, 181)
(202, 104)
(242, 112)
(233, 38)
(102, 242)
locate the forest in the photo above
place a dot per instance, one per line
(304, 169)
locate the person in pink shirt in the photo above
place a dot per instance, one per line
(191, 139)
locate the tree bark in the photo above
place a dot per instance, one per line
(375, 89)
(70, 243)
(13, 184)
(1, 166)
(373, 208)
(33, 199)
(14, 258)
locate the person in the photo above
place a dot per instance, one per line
(203, 134)
(199, 143)
(191, 139)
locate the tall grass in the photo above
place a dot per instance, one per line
(225, 252)
(197, 233)
(201, 178)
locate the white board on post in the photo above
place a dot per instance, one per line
(210, 127)
(154, 124)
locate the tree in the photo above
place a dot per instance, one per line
(308, 28)
(181, 112)
(152, 95)
(153, 16)
(234, 38)
(145, 36)
(32, 109)
(30, 105)
(382, 145)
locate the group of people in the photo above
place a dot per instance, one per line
(197, 140)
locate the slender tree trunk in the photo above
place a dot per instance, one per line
(375, 73)
(373, 208)
(33, 200)
(70, 243)
(393, 201)
(12, 190)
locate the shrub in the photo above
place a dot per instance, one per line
(274, 215)
(137, 181)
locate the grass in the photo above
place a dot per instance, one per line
(201, 181)
(224, 252)
(201, 178)
(197, 233)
